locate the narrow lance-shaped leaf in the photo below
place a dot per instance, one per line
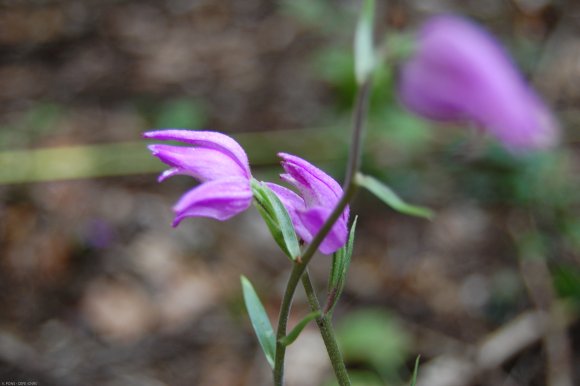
(291, 337)
(390, 198)
(415, 371)
(260, 321)
(350, 242)
(340, 266)
(341, 260)
(277, 219)
(336, 268)
(363, 43)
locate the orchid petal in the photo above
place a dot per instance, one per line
(317, 187)
(202, 163)
(219, 199)
(314, 218)
(205, 139)
(320, 194)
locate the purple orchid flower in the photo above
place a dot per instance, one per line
(460, 73)
(319, 193)
(217, 161)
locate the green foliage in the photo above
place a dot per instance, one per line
(571, 231)
(398, 46)
(260, 322)
(323, 15)
(374, 338)
(306, 11)
(401, 133)
(542, 180)
(40, 119)
(180, 113)
(336, 66)
(567, 281)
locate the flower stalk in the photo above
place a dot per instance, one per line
(444, 78)
(299, 267)
(327, 332)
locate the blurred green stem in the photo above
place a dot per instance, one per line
(349, 189)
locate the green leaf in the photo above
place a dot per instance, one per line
(340, 265)
(390, 198)
(363, 43)
(277, 219)
(291, 337)
(415, 371)
(336, 268)
(341, 259)
(260, 321)
(350, 243)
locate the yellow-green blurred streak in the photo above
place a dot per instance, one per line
(129, 158)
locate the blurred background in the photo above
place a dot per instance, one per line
(96, 288)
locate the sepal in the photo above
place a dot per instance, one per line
(277, 219)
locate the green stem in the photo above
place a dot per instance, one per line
(349, 189)
(327, 332)
(283, 323)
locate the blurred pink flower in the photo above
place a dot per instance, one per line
(458, 72)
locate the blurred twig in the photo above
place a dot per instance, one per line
(538, 280)
(493, 351)
(549, 323)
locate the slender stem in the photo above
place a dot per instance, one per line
(282, 325)
(327, 332)
(349, 189)
(360, 113)
(353, 166)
